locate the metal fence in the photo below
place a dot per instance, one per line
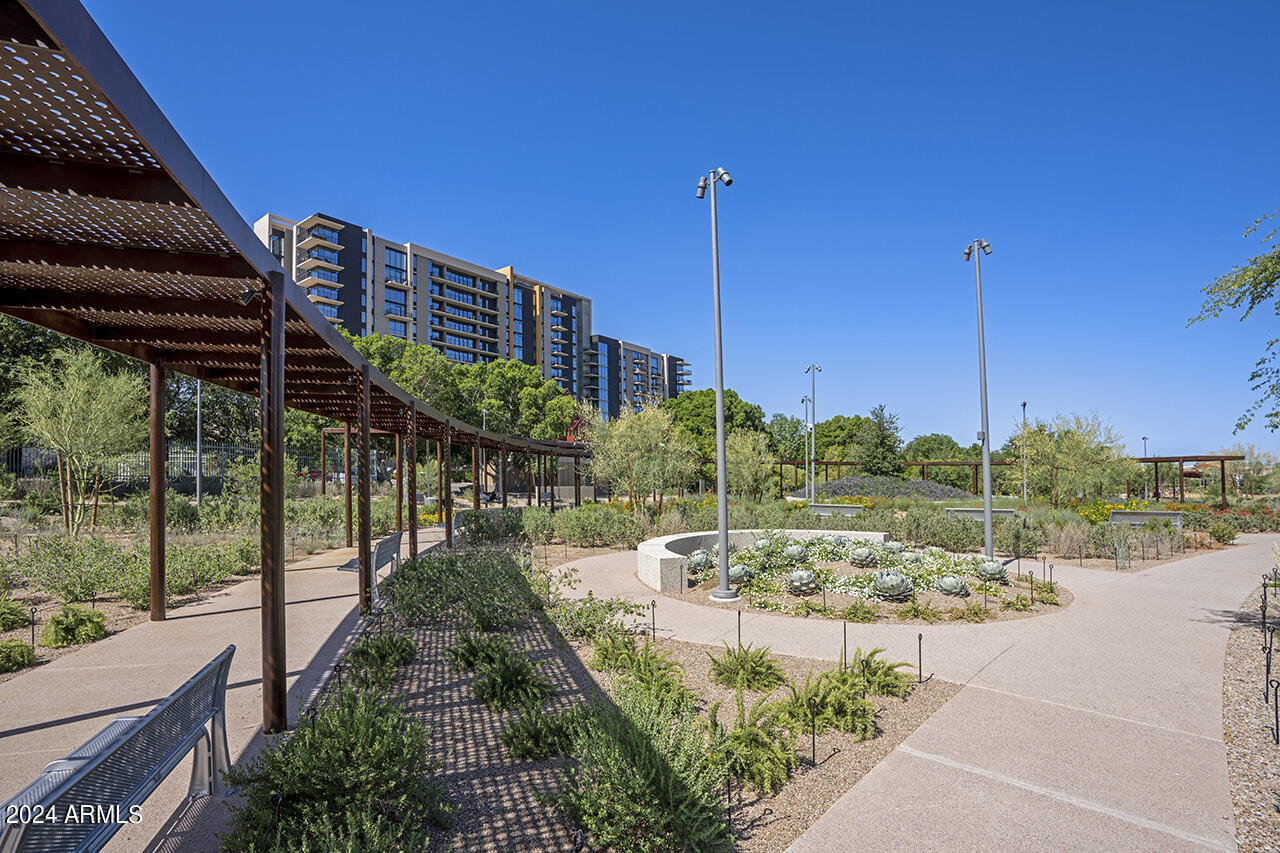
(180, 461)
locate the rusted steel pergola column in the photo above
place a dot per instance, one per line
(577, 483)
(364, 556)
(475, 475)
(447, 484)
(502, 473)
(156, 487)
(322, 466)
(1157, 467)
(346, 475)
(1222, 468)
(1182, 482)
(411, 451)
(271, 511)
(399, 484)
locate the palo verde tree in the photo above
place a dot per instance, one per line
(85, 414)
(643, 453)
(1076, 457)
(749, 464)
(1244, 289)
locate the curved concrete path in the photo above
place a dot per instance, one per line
(1098, 727)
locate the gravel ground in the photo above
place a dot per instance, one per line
(1253, 758)
(499, 807)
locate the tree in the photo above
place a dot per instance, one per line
(748, 463)
(878, 444)
(1246, 288)
(1076, 457)
(838, 437)
(226, 416)
(1248, 474)
(696, 412)
(85, 414)
(938, 447)
(786, 436)
(642, 452)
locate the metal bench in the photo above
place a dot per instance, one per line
(836, 509)
(976, 512)
(78, 802)
(1138, 517)
(386, 552)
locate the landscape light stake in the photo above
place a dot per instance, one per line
(864, 677)
(739, 627)
(1031, 582)
(653, 618)
(1275, 731)
(813, 729)
(1082, 556)
(1264, 613)
(844, 651)
(728, 798)
(579, 841)
(337, 673)
(1051, 577)
(33, 627)
(1266, 678)
(824, 598)
(920, 652)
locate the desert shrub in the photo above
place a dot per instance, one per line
(746, 668)
(12, 614)
(587, 618)
(756, 750)
(16, 654)
(484, 589)
(648, 777)
(73, 569)
(537, 524)
(8, 486)
(510, 680)
(189, 568)
(1223, 531)
(471, 651)
(1067, 539)
(974, 611)
(596, 524)
(358, 771)
(656, 672)
(534, 735)
(1019, 603)
(72, 626)
(917, 609)
(374, 659)
(1017, 536)
(861, 611)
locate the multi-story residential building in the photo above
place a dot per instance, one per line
(369, 284)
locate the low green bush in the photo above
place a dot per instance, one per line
(746, 668)
(510, 680)
(756, 750)
(611, 651)
(357, 777)
(648, 776)
(918, 609)
(1223, 531)
(73, 569)
(373, 660)
(1019, 603)
(837, 703)
(13, 614)
(537, 524)
(883, 678)
(471, 651)
(596, 524)
(974, 611)
(861, 611)
(73, 626)
(534, 735)
(587, 618)
(16, 654)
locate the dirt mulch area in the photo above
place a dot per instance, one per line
(499, 806)
(835, 603)
(1253, 758)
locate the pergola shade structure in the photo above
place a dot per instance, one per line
(113, 233)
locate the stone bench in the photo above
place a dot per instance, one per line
(1139, 517)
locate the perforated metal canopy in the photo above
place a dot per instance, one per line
(115, 234)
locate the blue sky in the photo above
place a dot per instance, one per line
(1112, 153)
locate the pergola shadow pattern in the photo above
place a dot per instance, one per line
(112, 232)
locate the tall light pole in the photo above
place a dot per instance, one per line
(1024, 451)
(813, 370)
(807, 435)
(199, 448)
(1145, 493)
(723, 592)
(976, 250)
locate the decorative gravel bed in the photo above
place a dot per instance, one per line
(1253, 758)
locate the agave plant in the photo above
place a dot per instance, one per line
(913, 557)
(952, 585)
(893, 586)
(864, 558)
(802, 582)
(992, 570)
(700, 559)
(894, 547)
(795, 552)
(838, 541)
(738, 572)
(763, 544)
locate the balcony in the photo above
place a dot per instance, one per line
(684, 371)
(308, 277)
(318, 263)
(559, 328)
(319, 240)
(559, 313)
(684, 382)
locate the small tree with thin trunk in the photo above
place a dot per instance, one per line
(85, 415)
(643, 453)
(748, 463)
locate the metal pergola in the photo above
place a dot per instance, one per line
(114, 233)
(1221, 459)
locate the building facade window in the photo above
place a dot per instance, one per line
(395, 262)
(327, 310)
(394, 302)
(396, 327)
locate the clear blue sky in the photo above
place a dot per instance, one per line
(1111, 152)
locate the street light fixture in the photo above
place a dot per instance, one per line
(976, 250)
(813, 370)
(723, 592)
(807, 434)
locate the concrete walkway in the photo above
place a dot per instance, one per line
(48, 711)
(1098, 727)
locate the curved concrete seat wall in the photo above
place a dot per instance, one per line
(660, 561)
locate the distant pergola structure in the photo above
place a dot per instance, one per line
(113, 233)
(1221, 459)
(797, 464)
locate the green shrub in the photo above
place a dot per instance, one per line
(537, 523)
(1223, 531)
(471, 651)
(16, 654)
(916, 609)
(648, 777)
(373, 660)
(656, 672)
(535, 735)
(883, 678)
(510, 680)
(484, 589)
(837, 703)
(746, 668)
(596, 524)
(972, 612)
(611, 651)
(361, 760)
(587, 618)
(72, 626)
(861, 611)
(12, 614)
(73, 569)
(1020, 603)
(8, 486)
(756, 750)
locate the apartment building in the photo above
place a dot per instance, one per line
(368, 284)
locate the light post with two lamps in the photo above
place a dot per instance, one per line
(976, 250)
(813, 370)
